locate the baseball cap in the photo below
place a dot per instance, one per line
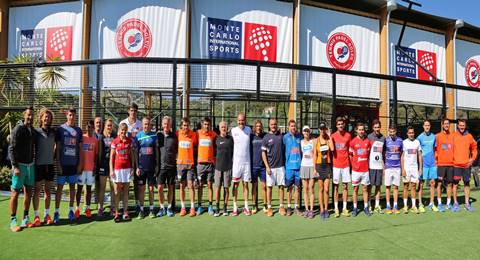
(322, 126)
(305, 128)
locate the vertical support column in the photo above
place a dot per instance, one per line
(450, 73)
(86, 92)
(186, 90)
(4, 29)
(148, 102)
(334, 101)
(174, 97)
(292, 106)
(384, 97)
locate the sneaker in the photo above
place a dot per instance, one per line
(421, 208)
(216, 213)
(141, 214)
(235, 213)
(297, 211)
(270, 212)
(199, 211)
(282, 211)
(265, 210)
(388, 210)
(137, 208)
(192, 212)
(405, 210)
(306, 213)
(311, 215)
(71, 216)
(126, 217)
(225, 213)
(441, 208)
(246, 211)
(456, 207)
(378, 210)
(77, 213)
(116, 219)
(415, 210)
(100, 213)
(151, 214)
(345, 213)
(183, 212)
(26, 222)
(468, 207)
(210, 210)
(396, 210)
(322, 215)
(355, 211)
(56, 218)
(289, 211)
(13, 225)
(337, 213)
(36, 222)
(367, 212)
(170, 212)
(327, 215)
(450, 207)
(112, 213)
(47, 220)
(433, 208)
(88, 213)
(161, 213)
(254, 210)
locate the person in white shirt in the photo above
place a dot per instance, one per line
(411, 168)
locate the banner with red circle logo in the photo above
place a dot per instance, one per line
(467, 65)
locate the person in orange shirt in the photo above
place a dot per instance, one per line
(206, 163)
(465, 153)
(187, 140)
(444, 157)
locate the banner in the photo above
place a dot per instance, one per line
(426, 48)
(467, 73)
(250, 29)
(52, 32)
(141, 28)
(341, 41)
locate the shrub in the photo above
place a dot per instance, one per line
(5, 178)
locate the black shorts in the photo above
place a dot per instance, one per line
(205, 172)
(167, 177)
(375, 177)
(44, 172)
(147, 177)
(445, 172)
(103, 172)
(324, 171)
(462, 173)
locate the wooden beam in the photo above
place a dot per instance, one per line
(186, 97)
(292, 106)
(4, 29)
(17, 3)
(86, 97)
(384, 105)
(450, 72)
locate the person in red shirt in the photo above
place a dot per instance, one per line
(122, 163)
(444, 158)
(341, 165)
(465, 148)
(359, 154)
(187, 140)
(206, 163)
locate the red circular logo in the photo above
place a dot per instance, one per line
(472, 70)
(341, 51)
(133, 38)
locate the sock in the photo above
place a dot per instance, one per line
(413, 202)
(36, 213)
(439, 200)
(336, 205)
(354, 205)
(70, 208)
(281, 205)
(199, 204)
(209, 203)
(296, 206)
(183, 204)
(431, 204)
(192, 205)
(25, 213)
(246, 204)
(151, 208)
(46, 211)
(377, 203)
(234, 206)
(57, 210)
(141, 208)
(365, 205)
(449, 201)
(269, 206)
(224, 207)
(405, 202)
(289, 205)
(388, 204)
(395, 205)
(169, 206)
(218, 206)
(344, 205)
(162, 206)
(13, 216)
(88, 206)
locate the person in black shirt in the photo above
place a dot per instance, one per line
(103, 166)
(168, 149)
(223, 167)
(258, 167)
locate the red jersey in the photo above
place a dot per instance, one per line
(123, 153)
(340, 153)
(361, 152)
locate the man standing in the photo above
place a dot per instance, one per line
(429, 171)
(465, 154)
(444, 155)
(98, 127)
(241, 162)
(272, 155)
(411, 168)
(258, 168)
(360, 148)
(168, 149)
(21, 152)
(223, 167)
(69, 141)
(293, 160)
(187, 140)
(375, 162)
(206, 163)
(393, 171)
(341, 165)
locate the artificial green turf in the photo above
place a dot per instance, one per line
(430, 235)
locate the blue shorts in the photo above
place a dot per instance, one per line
(292, 177)
(69, 175)
(258, 173)
(429, 173)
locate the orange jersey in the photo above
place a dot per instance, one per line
(206, 150)
(465, 149)
(444, 149)
(187, 140)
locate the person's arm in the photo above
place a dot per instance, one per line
(133, 160)
(330, 144)
(11, 148)
(265, 161)
(402, 163)
(135, 156)
(157, 155)
(420, 162)
(473, 152)
(112, 161)
(80, 158)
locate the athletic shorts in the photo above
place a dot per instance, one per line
(292, 177)
(392, 176)
(375, 177)
(324, 171)
(360, 178)
(462, 173)
(147, 177)
(223, 178)
(103, 172)
(122, 175)
(86, 178)
(258, 173)
(26, 178)
(69, 175)
(44, 172)
(205, 172)
(306, 172)
(429, 173)
(445, 172)
(185, 172)
(241, 171)
(343, 173)
(166, 177)
(411, 175)
(277, 177)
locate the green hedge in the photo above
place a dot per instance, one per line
(5, 178)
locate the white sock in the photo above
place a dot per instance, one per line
(46, 211)
(36, 213)
(365, 205)
(336, 205)
(161, 206)
(395, 204)
(344, 205)
(192, 205)
(388, 204)
(439, 200)
(141, 208)
(281, 205)
(431, 204)
(57, 210)
(235, 206)
(183, 204)
(354, 205)
(449, 201)
(269, 206)
(246, 204)
(377, 203)
(289, 205)
(413, 202)
(151, 207)
(70, 208)
(405, 202)
(296, 205)
(169, 206)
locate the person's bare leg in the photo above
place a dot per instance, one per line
(58, 196)
(36, 195)
(264, 193)
(387, 194)
(466, 190)
(281, 195)
(455, 188)
(72, 194)
(432, 192)
(321, 187)
(125, 198)
(245, 194)
(171, 190)
(326, 190)
(13, 202)
(88, 195)
(47, 195)
(306, 194)
(345, 194)
(355, 197)
(79, 194)
(255, 195)
(210, 192)
(191, 192)
(101, 191)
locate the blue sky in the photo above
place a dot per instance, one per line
(468, 10)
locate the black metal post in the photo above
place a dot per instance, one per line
(98, 90)
(395, 103)
(444, 101)
(334, 100)
(174, 97)
(259, 69)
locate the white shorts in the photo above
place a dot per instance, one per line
(360, 178)
(411, 175)
(392, 176)
(122, 176)
(277, 178)
(241, 171)
(86, 178)
(343, 173)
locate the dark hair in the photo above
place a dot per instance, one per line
(71, 110)
(207, 119)
(445, 119)
(29, 108)
(185, 120)
(291, 121)
(461, 121)
(376, 121)
(410, 128)
(359, 124)
(426, 120)
(393, 127)
(146, 117)
(90, 123)
(133, 105)
(340, 119)
(258, 121)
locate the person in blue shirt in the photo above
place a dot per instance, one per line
(429, 169)
(68, 140)
(293, 160)
(258, 167)
(146, 142)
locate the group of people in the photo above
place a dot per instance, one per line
(244, 155)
